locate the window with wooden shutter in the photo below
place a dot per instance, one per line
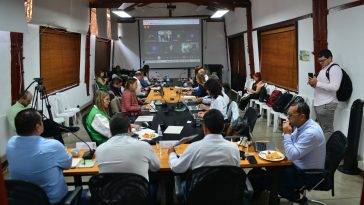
(278, 57)
(59, 58)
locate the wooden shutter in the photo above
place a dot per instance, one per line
(59, 58)
(278, 56)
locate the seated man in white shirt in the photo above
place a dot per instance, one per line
(125, 154)
(139, 90)
(212, 150)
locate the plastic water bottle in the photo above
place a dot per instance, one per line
(160, 133)
(167, 77)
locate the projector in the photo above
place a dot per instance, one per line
(170, 6)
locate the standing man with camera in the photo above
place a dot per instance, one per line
(325, 88)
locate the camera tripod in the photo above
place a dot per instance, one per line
(40, 93)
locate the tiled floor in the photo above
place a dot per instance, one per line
(347, 188)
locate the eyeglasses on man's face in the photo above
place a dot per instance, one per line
(322, 60)
(291, 114)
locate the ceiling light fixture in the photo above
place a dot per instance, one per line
(219, 13)
(122, 14)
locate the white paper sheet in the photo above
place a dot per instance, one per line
(167, 143)
(145, 118)
(75, 162)
(173, 130)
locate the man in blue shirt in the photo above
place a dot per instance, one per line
(304, 143)
(36, 159)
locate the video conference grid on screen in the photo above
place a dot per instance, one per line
(168, 43)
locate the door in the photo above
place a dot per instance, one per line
(237, 62)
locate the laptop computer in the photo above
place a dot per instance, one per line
(262, 146)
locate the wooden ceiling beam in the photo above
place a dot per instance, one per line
(117, 3)
(131, 7)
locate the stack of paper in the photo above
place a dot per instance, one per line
(173, 130)
(144, 118)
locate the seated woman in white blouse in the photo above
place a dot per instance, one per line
(214, 90)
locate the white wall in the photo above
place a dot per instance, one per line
(126, 53)
(305, 42)
(76, 95)
(235, 21)
(333, 3)
(72, 15)
(127, 50)
(344, 39)
(346, 42)
(215, 50)
(5, 91)
(268, 12)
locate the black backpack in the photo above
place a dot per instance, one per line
(282, 102)
(346, 86)
(263, 95)
(294, 99)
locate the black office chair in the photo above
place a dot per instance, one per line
(215, 185)
(335, 150)
(252, 116)
(244, 126)
(118, 188)
(22, 192)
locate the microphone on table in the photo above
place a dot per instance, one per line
(179, 104)
(180, 75)
(88, 154)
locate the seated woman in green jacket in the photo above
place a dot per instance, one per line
(97, 121)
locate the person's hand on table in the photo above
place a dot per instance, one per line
(144, 107)
(200, 114)
(286, 127)
(170, 150)
(137, 127)
(203, 107)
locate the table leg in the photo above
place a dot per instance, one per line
(77, 180)
(273, 196)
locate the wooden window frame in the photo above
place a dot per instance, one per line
(59, 59)
(17, 66)
(276, 81)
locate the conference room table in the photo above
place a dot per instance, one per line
(168, 116)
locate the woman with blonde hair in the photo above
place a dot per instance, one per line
(130, 102)
(97, 121)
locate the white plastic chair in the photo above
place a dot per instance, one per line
(275, 114)
(257, 102)
(270, 89)
(59, 120)
(64, 106)
(57, 113)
